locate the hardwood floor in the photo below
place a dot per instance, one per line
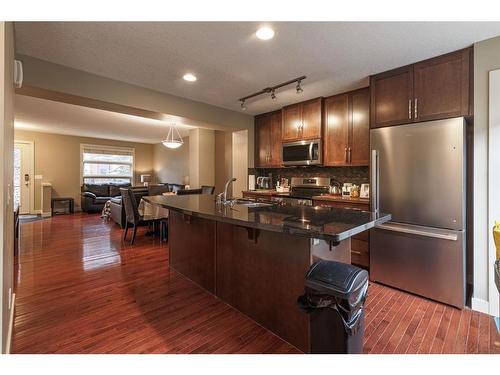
(81, 290)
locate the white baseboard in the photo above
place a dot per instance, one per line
(46, 214)
(480, 305)
(11, 324)
(36, 212)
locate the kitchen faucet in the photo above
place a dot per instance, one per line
(222, 197)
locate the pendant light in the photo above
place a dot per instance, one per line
(174, 139)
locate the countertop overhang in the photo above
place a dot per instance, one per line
(327, 223)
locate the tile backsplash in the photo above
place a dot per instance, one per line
(356, 175)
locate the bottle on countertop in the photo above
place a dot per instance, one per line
(355, 191)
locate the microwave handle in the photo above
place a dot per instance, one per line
(311, 151)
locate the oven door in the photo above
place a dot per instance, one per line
(302, 153)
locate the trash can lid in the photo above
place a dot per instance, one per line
(335, 278)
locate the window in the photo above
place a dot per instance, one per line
(106, 165)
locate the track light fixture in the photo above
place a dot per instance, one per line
(272, 90)
(298, 88)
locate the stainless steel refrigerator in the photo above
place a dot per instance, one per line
(418, 176)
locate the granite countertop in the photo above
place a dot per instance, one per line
(328, 223)
(263, 192)
(340, 198)
(324, 197)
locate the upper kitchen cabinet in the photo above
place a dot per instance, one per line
(359, 141)
(292, 116)
(335, 142)
(312, 114)
(433, 89)
(302, 120)
(347, 129)
(391, 97)
(441, 87)
(268, 140)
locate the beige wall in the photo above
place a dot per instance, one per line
(240, 162)
(57, 159)
(486, 59)
(171, 165)
(44, 74)
(6, 178)
(201, 157)
(223, 159)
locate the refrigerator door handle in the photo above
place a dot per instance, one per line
(442, 234)
(375, 181)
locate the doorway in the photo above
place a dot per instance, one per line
(24, 193)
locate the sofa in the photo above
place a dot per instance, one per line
(94, 197)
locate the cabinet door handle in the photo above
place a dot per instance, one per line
(409, 109)
(345, 151)
(356, 252)
(350, 155)
(416, 107)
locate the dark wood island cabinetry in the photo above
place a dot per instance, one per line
(255, 257)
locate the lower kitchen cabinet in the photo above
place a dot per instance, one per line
(360, 243)
(194, 241)
(262, 278)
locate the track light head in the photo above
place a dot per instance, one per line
(243, 106)
(299, 88)
(273, 96)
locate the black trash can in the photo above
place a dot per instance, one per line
(334, 297)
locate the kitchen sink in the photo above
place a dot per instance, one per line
(250, 204)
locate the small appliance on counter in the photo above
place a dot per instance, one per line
(346, 189)
(282, 186)
(264, 183)
(251, 182)
(335, 188)
(365, 191)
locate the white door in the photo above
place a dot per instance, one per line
(23, 169)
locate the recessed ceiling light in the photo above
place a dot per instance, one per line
(265, 33)
(189, 77)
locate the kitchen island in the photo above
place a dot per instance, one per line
(254, 256)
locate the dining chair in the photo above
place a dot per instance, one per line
(189, 191)
(158, 189)
(132, 216)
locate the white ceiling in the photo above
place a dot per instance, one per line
(55, 117)
(230, 62)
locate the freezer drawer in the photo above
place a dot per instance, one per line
(424, 261)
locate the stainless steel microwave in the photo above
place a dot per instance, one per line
(302, 152)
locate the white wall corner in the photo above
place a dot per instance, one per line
(480, 305)
(8, 344)
(493, 185)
